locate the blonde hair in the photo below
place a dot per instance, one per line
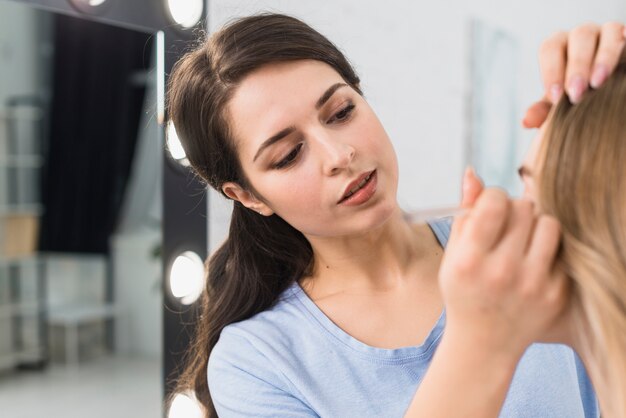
(582, 181)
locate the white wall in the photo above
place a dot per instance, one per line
(413, 61)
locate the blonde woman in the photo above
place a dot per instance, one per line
(576, 170)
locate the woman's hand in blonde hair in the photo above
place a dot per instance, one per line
(497, 277)
(573, 61)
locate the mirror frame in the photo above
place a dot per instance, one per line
(185, 221)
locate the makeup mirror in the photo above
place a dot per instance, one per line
(81, 141)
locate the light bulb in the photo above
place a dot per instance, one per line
(184, 406)
(186, 12)
(187, 277)
(174, 146)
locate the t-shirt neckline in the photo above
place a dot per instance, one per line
(425, 349)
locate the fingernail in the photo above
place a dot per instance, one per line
(555, 92)
(600, 73)
(576, 89)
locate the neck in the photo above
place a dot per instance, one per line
(378, 259)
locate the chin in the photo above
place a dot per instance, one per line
(380, 214)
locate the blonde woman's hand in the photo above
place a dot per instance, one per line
(572, 61)
(497, 277)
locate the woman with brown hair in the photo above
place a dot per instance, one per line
(576, 170)
(324, 300)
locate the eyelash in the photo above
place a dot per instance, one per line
(341, 116)
(346, 112)
(290, 158)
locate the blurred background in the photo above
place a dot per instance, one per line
(100, 249)
(450, 80)
(80, 212)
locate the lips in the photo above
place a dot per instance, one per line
(356, 185)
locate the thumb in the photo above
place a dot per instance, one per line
(537, 114)
(472, 187)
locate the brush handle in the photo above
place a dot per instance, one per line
(423, 215)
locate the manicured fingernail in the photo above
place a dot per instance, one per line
(576, 89)
(600, 73)
(555, 92)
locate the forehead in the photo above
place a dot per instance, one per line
(272, 97)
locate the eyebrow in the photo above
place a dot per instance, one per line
(328, 94)
(284, 132)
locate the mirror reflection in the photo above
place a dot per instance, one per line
(80, 217)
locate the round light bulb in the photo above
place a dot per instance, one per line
(187, 277)
(186, 12)
(93, 7)
(174, 146)
(184, 406)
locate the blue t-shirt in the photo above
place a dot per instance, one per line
(293, 361)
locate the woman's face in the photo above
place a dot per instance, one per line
(305, 139)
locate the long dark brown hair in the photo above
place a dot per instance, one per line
(582, 182)
(262, 255)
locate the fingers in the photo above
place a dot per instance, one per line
(571, 62)
(581, 50)
(552, 60)
(544, 243)
(546, 280)
(488, 219)
(559, 287)
(537, 114)
(556, 293)
(472, 187)
(612, 38)
(518, 231)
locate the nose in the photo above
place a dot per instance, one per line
(337, 155)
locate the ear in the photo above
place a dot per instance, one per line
(246, 198)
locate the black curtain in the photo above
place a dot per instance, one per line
(94, 119)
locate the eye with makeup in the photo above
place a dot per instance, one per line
(339, 117)
(290, 158)
(344, 114)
